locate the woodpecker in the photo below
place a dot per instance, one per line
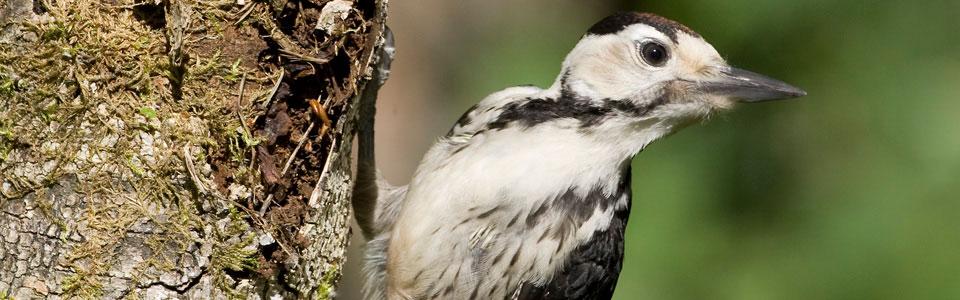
(527, 196)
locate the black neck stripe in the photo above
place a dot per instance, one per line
(570, 105)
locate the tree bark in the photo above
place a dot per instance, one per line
(179, 148)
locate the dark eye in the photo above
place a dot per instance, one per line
(654, 53)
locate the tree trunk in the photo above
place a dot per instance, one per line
(179, 148)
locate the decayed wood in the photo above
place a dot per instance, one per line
(139, 141)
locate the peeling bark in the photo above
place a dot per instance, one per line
(179, 149)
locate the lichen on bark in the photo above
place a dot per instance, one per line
(140, 142)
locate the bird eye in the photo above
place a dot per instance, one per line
(653, 53)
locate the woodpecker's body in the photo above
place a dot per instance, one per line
(527, 197)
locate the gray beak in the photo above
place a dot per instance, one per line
(748, 86)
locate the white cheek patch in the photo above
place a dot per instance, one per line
(589, 68)
(608, 67)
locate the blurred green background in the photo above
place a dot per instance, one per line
(852, 192)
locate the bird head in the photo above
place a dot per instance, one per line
(632, 79)
(660, 69)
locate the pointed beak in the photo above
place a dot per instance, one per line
(747, 86)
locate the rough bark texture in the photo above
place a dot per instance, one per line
(179, 149)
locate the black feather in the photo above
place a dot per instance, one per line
(617, 22)
(592, 269)
(570, 105)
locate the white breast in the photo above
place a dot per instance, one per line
(464, 222)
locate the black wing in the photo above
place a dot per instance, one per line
(591, 270)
